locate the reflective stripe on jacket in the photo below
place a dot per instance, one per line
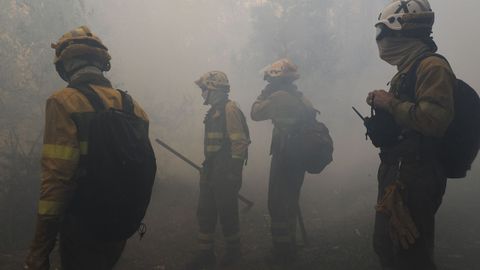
(226, 129)
(67, 118)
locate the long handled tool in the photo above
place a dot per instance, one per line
(248, 203)
(302, 226)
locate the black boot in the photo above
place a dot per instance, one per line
(232, 256)
(205, 259)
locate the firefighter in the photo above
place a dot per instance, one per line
(285, 105)
(80, 58)
(225, 147)
(410, 173)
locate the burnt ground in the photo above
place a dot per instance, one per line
(338, 217)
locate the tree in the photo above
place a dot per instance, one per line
(27, 77)
(326, 39)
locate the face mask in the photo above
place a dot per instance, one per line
(77, 67)
(398, 51)
(74, 64)
(214, 97)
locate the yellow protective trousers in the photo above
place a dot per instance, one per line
(425, 185)
(284, 188)
(218, 201)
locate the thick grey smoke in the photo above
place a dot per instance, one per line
(159, 47)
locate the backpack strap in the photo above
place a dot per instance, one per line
(97, 102)
(92, 96)
(309, 113)
(410, 78)
(127, 102)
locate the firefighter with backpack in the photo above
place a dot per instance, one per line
(82, 182)
(424, 104)
(288, 109)
(226, 144)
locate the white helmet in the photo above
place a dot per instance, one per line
(407, 15)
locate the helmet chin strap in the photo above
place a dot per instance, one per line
(207, 97)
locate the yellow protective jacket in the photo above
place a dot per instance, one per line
(65, 141)
(285, 106)
(226, 128)
(414, 161)
(433, 108)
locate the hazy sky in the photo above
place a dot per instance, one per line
(160, 47)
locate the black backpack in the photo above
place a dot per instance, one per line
(310, 144)
(461, 142)
(118, 172)
(316, 146)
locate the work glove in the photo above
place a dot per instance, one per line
(266, 92)
(43, 243)
(403, 230)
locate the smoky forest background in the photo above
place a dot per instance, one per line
(160, 47)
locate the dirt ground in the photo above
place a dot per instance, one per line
(339, 221)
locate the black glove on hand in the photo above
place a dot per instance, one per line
(266, 92)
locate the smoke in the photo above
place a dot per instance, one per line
(160, 48)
